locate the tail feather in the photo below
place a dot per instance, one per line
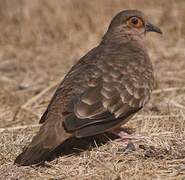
(50, 135)
(34, 155)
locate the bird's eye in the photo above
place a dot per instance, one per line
(135, 22)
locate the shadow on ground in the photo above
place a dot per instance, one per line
(75, 146)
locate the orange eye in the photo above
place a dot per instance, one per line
(135, 22)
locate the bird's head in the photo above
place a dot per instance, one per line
(132, 24)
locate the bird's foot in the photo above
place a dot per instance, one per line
(125, 136)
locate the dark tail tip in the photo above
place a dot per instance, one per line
(32, 155)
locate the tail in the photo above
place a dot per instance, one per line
(50, 135)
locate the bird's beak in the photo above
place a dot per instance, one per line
(152, 28)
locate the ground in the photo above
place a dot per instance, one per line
(41, 40)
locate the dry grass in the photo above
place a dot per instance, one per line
(39, 42)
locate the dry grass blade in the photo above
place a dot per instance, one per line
(158, 91)
(36, 98)
(15, 128)
(177, 104)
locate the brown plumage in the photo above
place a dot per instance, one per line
(102, 90)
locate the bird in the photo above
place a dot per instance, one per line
(102, 91)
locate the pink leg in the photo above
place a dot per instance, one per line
(124, 136)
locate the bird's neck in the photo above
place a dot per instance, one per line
(115, 38)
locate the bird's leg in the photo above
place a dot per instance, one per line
(125, 136)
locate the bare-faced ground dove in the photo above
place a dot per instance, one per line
(102, 91)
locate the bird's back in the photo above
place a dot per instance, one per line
(113, 79)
